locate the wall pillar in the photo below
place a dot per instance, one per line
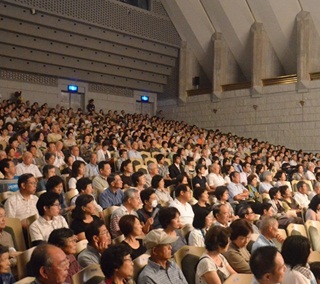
(183, 73)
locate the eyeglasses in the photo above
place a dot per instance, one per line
(56, 204)
(72, 239)
(32, 182)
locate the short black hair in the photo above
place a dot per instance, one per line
(295, 250)
(314, 203)
(58, 237)
(124, 164)
(102, 164)
(93, 229)
(47, 199)
(198, 191)
(262, 261)
(166, 215)
(145, 194)
(24, 178)
(135, 177)
(3, 249)
(315, 268)
(180, 188)
(82, 183)
(220, 190)
(126, 224)
(4, 163)
(273, 191)
(112, 258)
(155, 181)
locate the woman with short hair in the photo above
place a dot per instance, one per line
(131, 228)
(116, 264)
(295, 252)
(213, 266)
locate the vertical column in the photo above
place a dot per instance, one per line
(304, 26)
(219, 65)
(183, 70)
(258, 60)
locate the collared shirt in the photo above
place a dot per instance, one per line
(17, 206)
(78, 158)
(156, 274)
(235, 189)
(115, 218)
(163, 170)
(186, 212)
(99, 183)
(88, 256)
(41, 229)
(22, 168)
(108, 198)
(302, 199)
(91, 170)
(215, 180)
(262, 241)
(132, 154)
(238, 258)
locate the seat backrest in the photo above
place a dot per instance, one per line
(294, 185)
(14, 227)
(296, 229)
(313, 231)
(189, 263)
(81, 245)
(107, 215)
(26, 280)
(182, 252)
(22, 260)
(138, 264)
(90, 274)
(142, 168)
(118, 240)
(70, 194)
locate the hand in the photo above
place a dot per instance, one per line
(279, 238)
(149, 222)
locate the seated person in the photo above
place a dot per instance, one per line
(295, 252)
(82, 215)
(131, 228)
(160, 269)
(84, 186)
(267, 266)
(6, 239)
(48, 171)
(99, 239)
(5, 275)
(162, 193)
(212, 266)
(237, 255)
(49, 210)
(148, 214)
(65, 239)
(315, 268)
(181, 202)
(55, 184)
(9, 171)
(23, 204)
(116, 264)
(169, 218)
(131, 203)
(237, 192)
(112, 196)
(265, 184)
(301, 195)
(313, 212)
(203, 218)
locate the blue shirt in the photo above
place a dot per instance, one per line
(262, 242)
(156, 274)
(109, 198)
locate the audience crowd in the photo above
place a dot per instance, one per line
(130, 185)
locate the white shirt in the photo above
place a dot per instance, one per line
(215, 180)
(186, 212)
(310, 175)
(17, 206)
(41, 229)
(22, 168)
(302, 199)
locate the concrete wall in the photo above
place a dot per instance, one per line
(278, 118)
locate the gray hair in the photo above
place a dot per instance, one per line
(264, 175)
(129, 193)
(266, 223)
